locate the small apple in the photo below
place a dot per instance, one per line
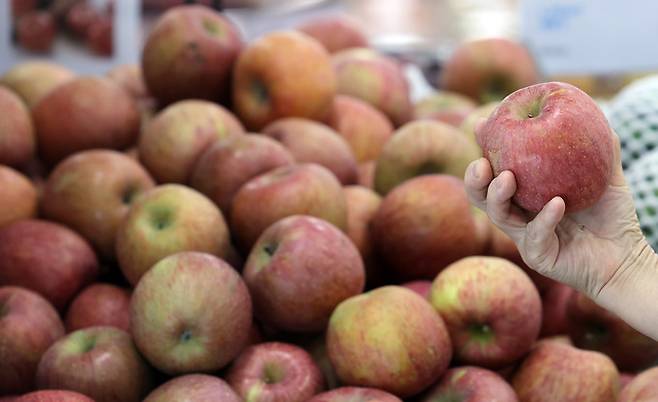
(18, 197)
(335, 33)
(81, 16)
(193, 387)
(470, 384)
(355, 394)
(99, 304)
(445, 106)
(36, 31)
(32, 80)
(16, 131)
(99, 36)
(642, 388)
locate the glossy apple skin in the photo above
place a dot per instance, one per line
(99, 114)
(181, 332)
(18, 196)
(174, 140)
(275, 372)
(491, 308)
(420, 148)
(99, 304)
(193, 387)
(46, 257)
(28, 326)
(308, 189)
(642, 388)
(565, 149)
(32, 80)
(270, 82)
(228, 164)
(189, 54)
(594, 328)
(92, 191)
(165, 220)
(489, 69)
(54, 396)
(100, 362)
(555, 371)
(335, 33)
(389, 338)
(424, 225)
(17, 142)
(355, 394)
(444, 106)
(471, 384)
(299, 270)
(312, 142)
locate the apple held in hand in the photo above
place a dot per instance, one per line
(555, 140)
(193, 387)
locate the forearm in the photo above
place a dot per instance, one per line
(632, 293)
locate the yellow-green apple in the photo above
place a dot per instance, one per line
(54, 396)
(18, 196)
(554, 371)
(594, 328)
(307, 189)
(190, 53)
(204, 332)
(362, 205)
(355, 394)
(228, 164)
(28, 326)
(130, 78)
(470, 384)
(92, 191)
(554, 309)
(46, 257)
(32, 80)
(389, 338)
(445, 106)
(304, 265)
(364, 127)
(100, 362)
(165, 220)
(491, 308)
(283, 74)
(16, 130)
(488, 69)
(366, 174)
(422, 287)
(375, 78)
(419, 148)
(480, 114)
(423, 225)
(553, 147)
(194, 387)
(275, 372)
(335, 33)
(312, 142)
(174, 140)
(99, 304)
(642, 388)
(99, 114)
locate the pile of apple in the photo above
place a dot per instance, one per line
(275, 222)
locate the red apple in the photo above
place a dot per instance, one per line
(304, 266)
(193, 387)
(81, 16)
(594, 328)
(100, 304)
(488, 69)
(16, 131)
(312, 142)
(365, 128)
(555, 140)
(389, 338)
(283, 74)
(190, 53)
(275, 372)
(423, 225)
(47, 258)
(92, 191)
(99, 114)
(191, 312)
(99, 36)
(419, 148)
(554, 371)
(32, 80)
(336, 32)
(289, 190)
(36, 31)
(642, 388)
(421, 287)
(22, 7)
(226, 165)
(100, 362)
(445, 106)
(471, 384)
(362, 205)
(18, 197)
(166, 220)
(377, 79)
(174, 140)
(54, 396)
(554, 315)
(491, 308)
(355, 394)
(28, 326)
(130, 78)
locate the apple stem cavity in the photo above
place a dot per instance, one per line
(128, 195)
(482, 332)
(272, 374)
(260, 91)
(161, 218)
(185, 336)
(270, 249)
(212, 28)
